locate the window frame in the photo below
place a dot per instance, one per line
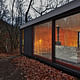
(78, 39)
(72, 68)
(54, 60)
(41, 57)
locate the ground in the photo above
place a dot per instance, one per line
(34, 70)
(8, 71)
(23, 68)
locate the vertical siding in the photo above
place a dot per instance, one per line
(20, 42)
(28, 41)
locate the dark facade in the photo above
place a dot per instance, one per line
(54, 38)
(28, 41)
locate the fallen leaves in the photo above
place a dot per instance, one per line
(34, 70)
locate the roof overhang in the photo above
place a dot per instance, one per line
(60, 10)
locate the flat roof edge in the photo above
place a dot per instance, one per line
(57, 11)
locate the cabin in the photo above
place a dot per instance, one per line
(54, 38)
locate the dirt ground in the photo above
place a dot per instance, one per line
(8, 71)
(23, 68)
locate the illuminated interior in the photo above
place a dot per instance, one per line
(67, 39)
(22, 41)
(43, 40)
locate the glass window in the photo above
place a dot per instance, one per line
(67, 39)
(22, 41)
(43, 40)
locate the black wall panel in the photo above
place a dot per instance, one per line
(28, 41)
(20, 42)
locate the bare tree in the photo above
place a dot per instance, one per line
(48, 5)
(11, 30)
(3, 9)
(12, 11)
(28, 10)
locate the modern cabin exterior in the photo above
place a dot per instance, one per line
(54, 38)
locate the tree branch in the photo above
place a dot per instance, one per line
(28, 10)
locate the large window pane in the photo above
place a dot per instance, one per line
(68, 39)
(43, 40)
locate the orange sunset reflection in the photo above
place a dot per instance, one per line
(43, 39)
